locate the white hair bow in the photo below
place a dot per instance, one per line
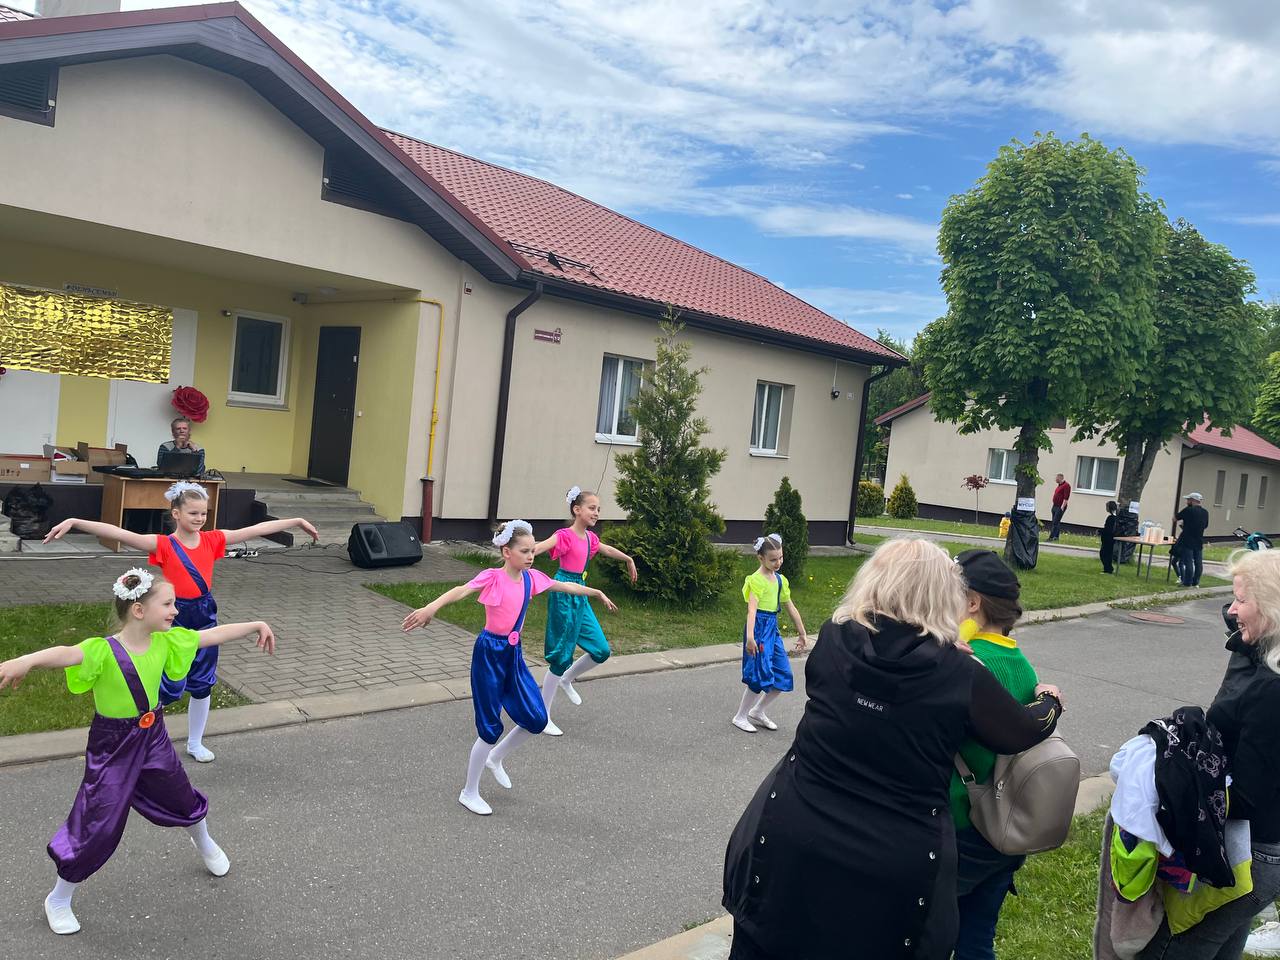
(509, 530)
(145, 580)
(773, 538)
(185, 486)
(574, 493)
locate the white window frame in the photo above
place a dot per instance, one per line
(758, 419)
(240, 398)
(1005, 454)
(614, 436)
(1093, 476)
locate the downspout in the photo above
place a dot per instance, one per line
(857, 453)
(429, 481)
(504, 390)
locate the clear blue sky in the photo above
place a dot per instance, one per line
(817, 141)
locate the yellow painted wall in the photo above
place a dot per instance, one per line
(82, 411)
(384, 387)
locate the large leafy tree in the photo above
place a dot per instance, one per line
(1202, 361)
(1049, 273)
(1266, 414)
(895, 389)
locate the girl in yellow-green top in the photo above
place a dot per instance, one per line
(765, 668)
(984, 875)
(129, 760)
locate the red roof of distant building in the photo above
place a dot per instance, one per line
(1242, 442)
(562, 235)
(907, 407)
(10, 13)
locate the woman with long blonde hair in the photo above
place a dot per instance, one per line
(848, 848)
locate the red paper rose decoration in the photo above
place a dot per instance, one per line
(191, 403)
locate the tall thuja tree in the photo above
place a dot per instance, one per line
(664, 485)
(1049, 273)
(1202, 362)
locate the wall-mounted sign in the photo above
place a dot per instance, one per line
(547, 336)
(1027, 503)
(84, 291)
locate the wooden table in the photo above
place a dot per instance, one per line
(144, 493)
(1151, 552)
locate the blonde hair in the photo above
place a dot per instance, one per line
(912, 581)
(1260, 570)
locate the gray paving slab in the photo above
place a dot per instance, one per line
(346, 838)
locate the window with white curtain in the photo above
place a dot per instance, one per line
(1001, 464)
(620, 380)
(766, 420)
(1097, 475)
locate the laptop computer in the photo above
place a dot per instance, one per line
(178, 464)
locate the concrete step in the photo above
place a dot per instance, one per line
(324, 513)
(310, 494)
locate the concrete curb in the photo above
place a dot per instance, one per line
(711, 941)
(60, 744)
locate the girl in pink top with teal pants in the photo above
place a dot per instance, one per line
(499, 678)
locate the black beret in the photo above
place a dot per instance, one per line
(985, 572)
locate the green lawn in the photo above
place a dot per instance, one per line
(43, 701)
(644, 625)
(1052, 916)
(1211, 551)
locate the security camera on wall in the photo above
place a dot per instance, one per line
(835, 394)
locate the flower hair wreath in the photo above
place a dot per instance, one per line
(574, 493)
(509, 530)
(185, 486)
(145, 581)
(773, 538)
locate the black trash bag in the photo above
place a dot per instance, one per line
(1126, 526)
(28, 510)
(1024, 539)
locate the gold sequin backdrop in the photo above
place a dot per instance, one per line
(52, 332)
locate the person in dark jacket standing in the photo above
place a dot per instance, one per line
(1108, 549)
(847, 848)
(1061, 494)
(1194, 520)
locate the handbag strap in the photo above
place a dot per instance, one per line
(962, 768)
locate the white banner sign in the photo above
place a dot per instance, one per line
(1027, 503)
(1133, 507)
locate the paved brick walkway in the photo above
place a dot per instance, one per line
(334, 634)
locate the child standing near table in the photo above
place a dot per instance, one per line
(129, 761)
(186, 558)
(766, 669)
(499, 678)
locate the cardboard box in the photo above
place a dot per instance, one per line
(16, 468)
(101, 457)
(69, 471)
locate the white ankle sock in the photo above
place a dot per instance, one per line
(60, 896)
(475, 766)
(197, 720)
(580, 666)
(748, 698)
(200, 834)
(765, 698)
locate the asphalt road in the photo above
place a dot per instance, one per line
(346, 838)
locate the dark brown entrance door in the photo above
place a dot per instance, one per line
(334, 413)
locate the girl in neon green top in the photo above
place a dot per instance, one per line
(766, 671)
(130, 762)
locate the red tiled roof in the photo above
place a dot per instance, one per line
(907, 407)
(9, 13)
(1243, 442)
(564, 236)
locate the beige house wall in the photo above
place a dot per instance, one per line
(937, 459)
(551, 444)
(1200, 475)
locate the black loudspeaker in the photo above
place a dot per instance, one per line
(383, 545)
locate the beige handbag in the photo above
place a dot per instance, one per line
(1028, 805)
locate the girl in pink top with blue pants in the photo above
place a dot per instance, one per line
(499, 678)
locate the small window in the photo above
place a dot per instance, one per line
(620, 381)
(1058, 423)
(769, 419)
(259, 357)
(1001, 465)
(1262, 493)
(1220, 488)
(28, 93)
(1244, 490)
(1097, 475)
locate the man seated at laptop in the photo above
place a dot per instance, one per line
(180, 427)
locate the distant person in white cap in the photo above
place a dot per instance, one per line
(1194, 520)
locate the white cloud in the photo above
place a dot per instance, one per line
(904, 196)
(902, 312)
(1256, 220)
